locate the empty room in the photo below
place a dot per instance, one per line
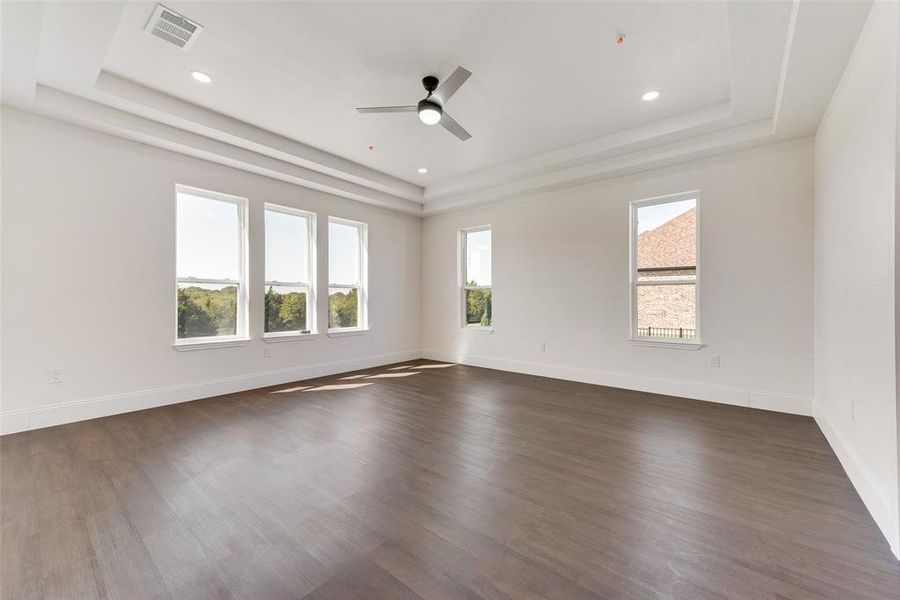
(433, 300)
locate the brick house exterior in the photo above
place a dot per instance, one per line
(668, 253)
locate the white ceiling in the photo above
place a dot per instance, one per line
(544, 75)
(551, 99)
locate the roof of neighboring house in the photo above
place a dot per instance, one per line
(672, 244)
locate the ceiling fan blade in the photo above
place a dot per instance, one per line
(453, 127)
(386, 109)
(449, 86)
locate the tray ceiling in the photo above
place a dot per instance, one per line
(553, 98)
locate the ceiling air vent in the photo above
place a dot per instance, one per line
(172, 27)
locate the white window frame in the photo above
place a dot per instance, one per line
(310, 285)
(241, 335)
(362, 318)
(694, 344)
(463, 279)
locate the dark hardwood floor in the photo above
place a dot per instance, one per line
(436, 481)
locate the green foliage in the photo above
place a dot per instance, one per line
(478, 307)
(285, 312)
(203, 312)
(343, 309)
(273, 309)
(293, 311)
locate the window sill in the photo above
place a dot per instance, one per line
(190, 346)
(347, 332)
(666, 344)
(277, 338)
(479, 330)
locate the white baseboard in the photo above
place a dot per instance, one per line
(90, 408)
(103, 406)
(710, 392)
(864, 481)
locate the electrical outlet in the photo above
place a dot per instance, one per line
(714, 360)
(542, 347)
(56, 375)
(267, 353)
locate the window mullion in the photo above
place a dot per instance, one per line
(287, 283)
(664, 282)
(208, 281)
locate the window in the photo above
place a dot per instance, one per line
(664, 269)
(475, 262)
(290, 292)
(346, 274)
(210, 266)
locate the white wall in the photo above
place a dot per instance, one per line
(560, 274)
(798, 279)
(88, 272)
(855, 204)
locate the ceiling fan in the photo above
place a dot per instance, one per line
(431, 108)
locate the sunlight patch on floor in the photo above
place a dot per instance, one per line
(392, 375)
(337, 386)
(291, 389)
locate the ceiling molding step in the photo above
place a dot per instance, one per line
(628, 140)
(786, 60)
(694, 149)
(804, 94)
(69, 108)
(746, 78)
(150, 103)
(19, 48)
(788, 114)
(756, 67)
(776, 90)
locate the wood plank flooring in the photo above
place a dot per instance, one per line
(426, 480)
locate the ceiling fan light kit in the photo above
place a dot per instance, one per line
(429, 112)
(431, 108)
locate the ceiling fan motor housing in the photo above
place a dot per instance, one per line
(430, 83)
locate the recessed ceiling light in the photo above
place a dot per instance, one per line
(422, 170)
(651, 95)
(201, 76)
